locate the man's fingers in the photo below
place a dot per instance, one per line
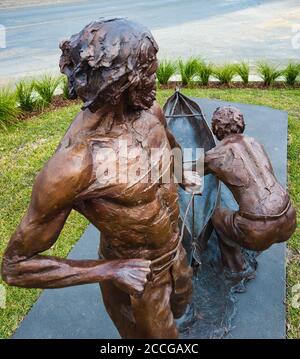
(140, 263)
(145, 269)
(141, 277)
(138, 271)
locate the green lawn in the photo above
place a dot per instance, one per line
(27, 145)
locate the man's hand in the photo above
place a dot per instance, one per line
(131, 275)
(192, 182)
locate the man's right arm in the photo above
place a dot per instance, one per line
(55, 188)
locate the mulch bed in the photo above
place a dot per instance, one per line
(59, 101)
(237, 84)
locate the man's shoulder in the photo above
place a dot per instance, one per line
(66, 173)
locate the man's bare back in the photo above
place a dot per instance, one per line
(137, 218)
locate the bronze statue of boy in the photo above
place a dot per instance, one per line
(265, 214)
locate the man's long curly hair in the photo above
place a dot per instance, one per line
(226, 121)
(109, 59)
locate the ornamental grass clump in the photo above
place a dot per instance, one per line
(188, 70)
(204, 72)
(291, 73)
(225, 73)
(46, 87)
(8, 107)
(268, 73)
(25, 96)
(166, 69)
(243, 70)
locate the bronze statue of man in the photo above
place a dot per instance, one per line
(111, 65)
(265, 214)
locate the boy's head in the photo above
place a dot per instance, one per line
(227, 121)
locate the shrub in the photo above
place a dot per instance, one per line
(46, 87)
(225, 73)
(268, 73)
(243, 70)
(25, 96)
(166, 69)
(188, 69)
(290, 73)
(8, 107)
(204, 72)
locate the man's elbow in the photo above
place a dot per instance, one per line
(5, 275)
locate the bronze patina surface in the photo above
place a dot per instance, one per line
(101, 169)
(111, 66)
(265, 214)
